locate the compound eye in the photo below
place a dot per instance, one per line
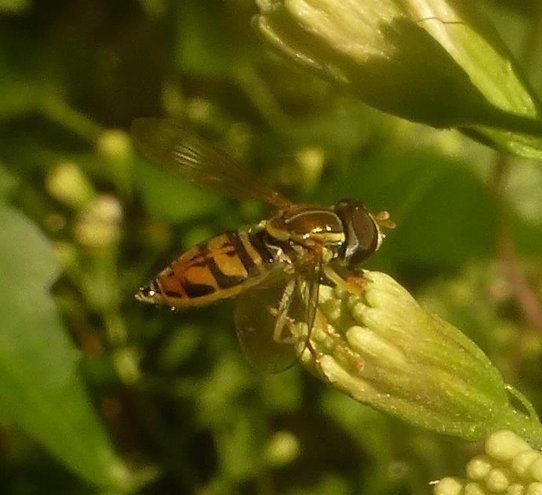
(362, 233)
(362, 239)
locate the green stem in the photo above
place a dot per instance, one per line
(506, 121)
(56, 109)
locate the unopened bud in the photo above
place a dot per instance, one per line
(99, 225)
(497, 470)
(67, 183)
(439, 63)
(382, 348)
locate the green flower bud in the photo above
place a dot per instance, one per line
(383, 349)
(114, 145)
(440, 63)
(99, 226)
(378, 52)
(509, 466)
(67, 183)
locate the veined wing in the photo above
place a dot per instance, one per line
(167, 143)
(274, 321)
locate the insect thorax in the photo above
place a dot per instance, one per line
(348, 232)
(303, 228)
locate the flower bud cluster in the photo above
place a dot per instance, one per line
(509, 466)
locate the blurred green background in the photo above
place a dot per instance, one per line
(99, 393)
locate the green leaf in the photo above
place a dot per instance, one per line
(20, 95)
(30, 76)
(452, 221)
(40, 389)
(215, 40)
(439, 62)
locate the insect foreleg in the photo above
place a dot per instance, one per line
(353, 282)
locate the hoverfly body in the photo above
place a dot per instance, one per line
(275, 268)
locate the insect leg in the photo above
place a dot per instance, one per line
(354, 281)
(282, 315)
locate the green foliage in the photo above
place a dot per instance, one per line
(41, 388)
(101, 394)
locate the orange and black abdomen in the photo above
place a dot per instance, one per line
(215, 269)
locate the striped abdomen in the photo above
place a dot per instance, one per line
(218, 268)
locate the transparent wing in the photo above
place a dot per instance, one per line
(167, 143)
(274, 321)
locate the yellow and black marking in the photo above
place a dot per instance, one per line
(215, 269)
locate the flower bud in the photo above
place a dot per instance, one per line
(439, 63)
(99, 226)
(378, 52)
(509, 465)
(383, 349)
(67, 183)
